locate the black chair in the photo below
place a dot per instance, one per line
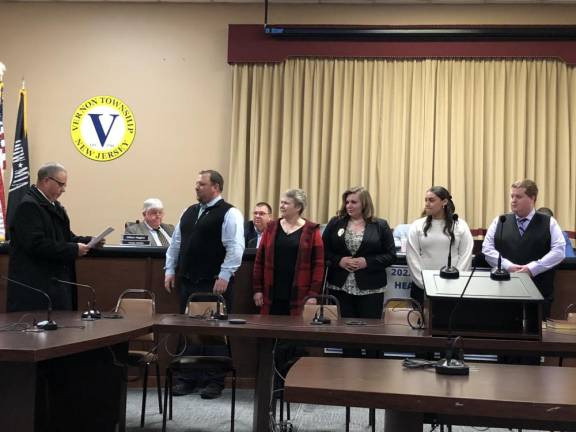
(569, 316)
(139, 302)
(198, 307)
(309, 311)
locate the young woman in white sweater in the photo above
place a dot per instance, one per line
(429, 237)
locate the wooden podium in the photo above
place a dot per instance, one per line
(489, 309)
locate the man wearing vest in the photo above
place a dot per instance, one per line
(206, 249)
(532, 242)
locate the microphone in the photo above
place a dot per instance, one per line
(48, 324)
(448, 271)
(319, 318)
(220, 315)
(500, 274)
(92, 313)
(449, 365)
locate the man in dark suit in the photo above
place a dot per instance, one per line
(159, 234)
(253, 229)
(42, 246)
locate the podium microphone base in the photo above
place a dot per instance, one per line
(320, 321)
(449, 272)
(499, 275)
(452, 367)
(47, 325)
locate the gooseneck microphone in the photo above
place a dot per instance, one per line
(48, 324)
(449, 271)
(220, 314)
(319, 318)
(500, 274)
(92, 313)
(450, 365)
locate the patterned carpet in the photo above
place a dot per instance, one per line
(193, 414)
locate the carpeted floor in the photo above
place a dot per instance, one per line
(194, 414)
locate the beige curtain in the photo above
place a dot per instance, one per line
(398, 127)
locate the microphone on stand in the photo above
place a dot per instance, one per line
(220, 314)
(47, 324)
(319, 318)
(450, 365)
(448, 271)
(500, 274)
(92, 313)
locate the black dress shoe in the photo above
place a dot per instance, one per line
(183, 389)
(211, 391)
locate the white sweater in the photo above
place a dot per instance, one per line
(431, 252)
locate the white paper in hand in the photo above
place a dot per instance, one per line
(97, 239)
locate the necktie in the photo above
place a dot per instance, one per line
(202, 210)
(522, 226)
(163, 240)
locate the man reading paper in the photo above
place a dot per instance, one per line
(42, 246)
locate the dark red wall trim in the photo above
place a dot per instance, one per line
(249, 44)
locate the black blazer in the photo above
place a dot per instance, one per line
(42, 247)
(377, 248)
(250, 235)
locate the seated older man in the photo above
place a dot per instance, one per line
(159, 234)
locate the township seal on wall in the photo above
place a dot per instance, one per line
(103, 128)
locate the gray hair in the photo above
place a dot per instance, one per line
(152, 203)
(49, 169)
(299, 197)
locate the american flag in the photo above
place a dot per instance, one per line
(2, 160)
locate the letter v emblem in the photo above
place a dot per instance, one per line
(98, 126)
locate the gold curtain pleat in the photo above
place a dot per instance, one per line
(398, 127)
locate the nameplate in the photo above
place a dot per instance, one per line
(135, 239)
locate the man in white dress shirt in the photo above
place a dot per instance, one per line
(532, 242)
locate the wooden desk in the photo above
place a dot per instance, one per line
(28, 361)
(23, 356)
(521, 395)
(389, 337)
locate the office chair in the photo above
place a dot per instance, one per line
(199, 308)
(309, 311)
(569, 316)
(140, 302)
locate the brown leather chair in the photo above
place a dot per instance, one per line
(309, 311)
(403, 311)
(570, 316)
(143, 352)
(201, 309)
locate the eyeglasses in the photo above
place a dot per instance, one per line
(59, 182)
(260, 213)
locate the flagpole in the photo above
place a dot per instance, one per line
(2, 157)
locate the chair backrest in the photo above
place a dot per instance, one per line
(201, 309)
(568, 314)
(130, 223)
(403, 311)
(331, 307)
(197, 306)
(140, 303)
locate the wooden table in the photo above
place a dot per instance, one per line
(29, 359)
(517, 396)
(24, 355)
(389, 337)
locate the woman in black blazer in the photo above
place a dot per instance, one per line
(358, 247)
